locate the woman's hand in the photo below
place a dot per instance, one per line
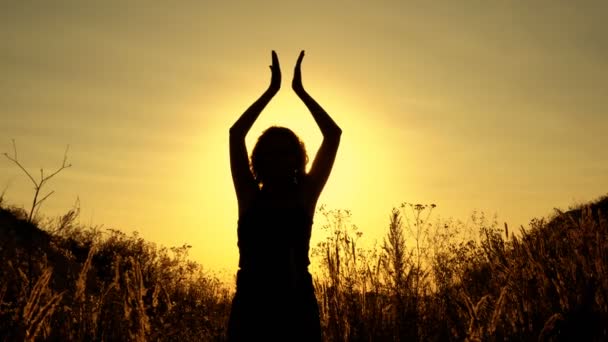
(275, 80)
(297, 76)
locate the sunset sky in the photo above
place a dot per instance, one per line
(494, 106)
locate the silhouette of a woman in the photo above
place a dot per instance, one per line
(275, 297)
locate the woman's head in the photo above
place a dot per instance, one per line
(278, 156)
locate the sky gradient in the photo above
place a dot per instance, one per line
(491, 106)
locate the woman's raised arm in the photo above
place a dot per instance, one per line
(324, 160)
(244, 184)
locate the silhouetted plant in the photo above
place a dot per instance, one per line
(38, 184)
(94, 284)
(478, 283)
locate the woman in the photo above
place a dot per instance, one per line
(275, 297)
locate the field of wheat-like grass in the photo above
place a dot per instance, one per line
(428, 280)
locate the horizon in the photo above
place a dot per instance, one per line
(485, 107)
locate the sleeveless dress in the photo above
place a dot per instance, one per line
(275, 299)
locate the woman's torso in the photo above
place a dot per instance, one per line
(274, 233)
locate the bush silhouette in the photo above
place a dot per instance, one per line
(479, 281)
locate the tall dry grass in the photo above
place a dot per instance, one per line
(427, 280)
(89, 284)
(473, 281)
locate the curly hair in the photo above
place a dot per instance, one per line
(261, 161)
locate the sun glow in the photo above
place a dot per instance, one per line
(360, 157)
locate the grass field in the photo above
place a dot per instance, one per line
(427, 281)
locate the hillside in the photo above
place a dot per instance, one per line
(549, 282)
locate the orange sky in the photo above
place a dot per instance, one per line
(490, 106)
